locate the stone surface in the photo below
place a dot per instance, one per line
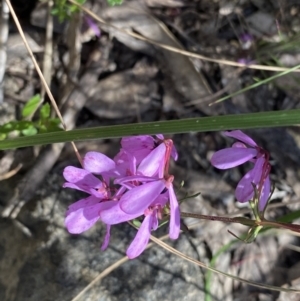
(55, 265)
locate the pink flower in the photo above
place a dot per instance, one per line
(93, 26)
(141, 146)
(81, 179)
(138, 146)
(241, 152)
(136, 184)
(140, 198)
(143, 198)
(150, 223)
(152, 212)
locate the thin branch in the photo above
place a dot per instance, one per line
(48, 53)
(4, 17)
(10, 173)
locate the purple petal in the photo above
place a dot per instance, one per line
(161, 200)
(141, 239)
(113, 214)
(82, 219)
(83, 180)
(244, 191)
(245, 37)
(119, 192)
(155, 223)
(154, 162)
(99, 193)
(174, 214)
(87, 202)
(97, 163)
(265, 193)
(246, 61)
(138, 146)
(231, 157)
(238, 145)
(128, 185)
(174, 153)
(79, 175)
(125, 163)
(239, 135)
(257, 170)
(134, 178)
(139, 198)
(106, 238)
(93, 25)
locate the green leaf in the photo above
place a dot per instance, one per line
(54, 11)
(9, 126)
(252, 234)
(31, 106)
(30, 131)
(6, 128)
(114, 2)
(23, 125)
(73, 9)
(136, 223)
(42, 128)
(54, 127)
(45, 111)
(49, 125)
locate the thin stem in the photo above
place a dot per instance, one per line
(237, 220)
(292, 227)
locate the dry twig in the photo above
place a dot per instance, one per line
(4, 17)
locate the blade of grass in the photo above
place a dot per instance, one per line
(204, 124)
(209, 273)
(264, 81)
(269, 49)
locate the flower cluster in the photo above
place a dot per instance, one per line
(135, 184)
(242, 151)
